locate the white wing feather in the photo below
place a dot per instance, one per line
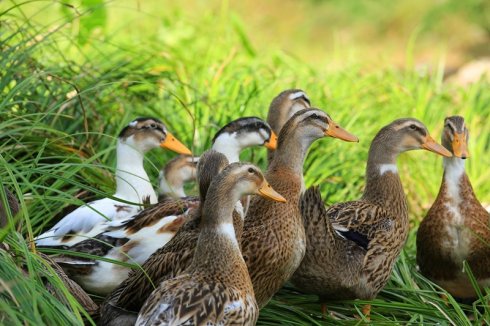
(83, 222)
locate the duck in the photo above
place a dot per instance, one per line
(9, 206)
(122, 305)
(351, 247)
(216, 288)
(457, 226)
(282, 108)
(132, 185)
(273, 240)
(175, 174)
(134, 239)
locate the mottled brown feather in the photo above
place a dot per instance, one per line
(456, 228)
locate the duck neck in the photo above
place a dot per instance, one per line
(218, 252)
(290, 154)
(455, 184)
(383, 184)
(132, 181)
(229, 146)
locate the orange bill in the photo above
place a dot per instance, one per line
(460, 147)
(336, 131)
(272, 142)
(267, 191)
(431, 145)
(172, 143)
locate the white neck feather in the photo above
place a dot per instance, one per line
(229, 146)
(454, 168)
(228, 230)
(383, 168)
(132, 181)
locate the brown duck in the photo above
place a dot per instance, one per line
(457, 227)
(216, 288)
(123, 304)
(273, 241)
(352, 246)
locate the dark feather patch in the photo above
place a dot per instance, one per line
(360, 239)
(246, 124)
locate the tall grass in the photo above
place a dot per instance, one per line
(68, 87)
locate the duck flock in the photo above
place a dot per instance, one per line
(219, 257)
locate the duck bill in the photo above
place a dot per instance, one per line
(336, 131)
(272, 142)
(173, 144)
(460, 147)
(431, 145)
(267, 191)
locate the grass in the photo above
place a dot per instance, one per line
(71, 80)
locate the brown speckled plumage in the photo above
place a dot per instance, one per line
(457, 227)
(352, 246)
(170, 260)
(273, 242)
(216, 288)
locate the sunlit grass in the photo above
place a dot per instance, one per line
(64, 101)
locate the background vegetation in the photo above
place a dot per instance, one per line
(73, 73)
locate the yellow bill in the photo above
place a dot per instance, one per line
(267, 191)
(336, 131)
(272, 142)
(431, 145)
(172, 143)
(460, 147)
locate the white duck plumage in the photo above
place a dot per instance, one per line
(132, 185)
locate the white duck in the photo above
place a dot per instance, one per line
(132, 185)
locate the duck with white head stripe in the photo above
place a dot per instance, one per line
(132, 185)
(457, 226)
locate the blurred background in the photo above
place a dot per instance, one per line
(324, 33)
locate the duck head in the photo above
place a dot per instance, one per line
(144, 134)
(312, 124)
(408, 134)
(176, 173)
(455, 136)
(285, 105)
(242, 133)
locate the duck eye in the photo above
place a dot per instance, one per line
(153, 126)
(413, 127)
(250, 170)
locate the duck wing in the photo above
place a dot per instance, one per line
(360, 221)
(83, 222)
